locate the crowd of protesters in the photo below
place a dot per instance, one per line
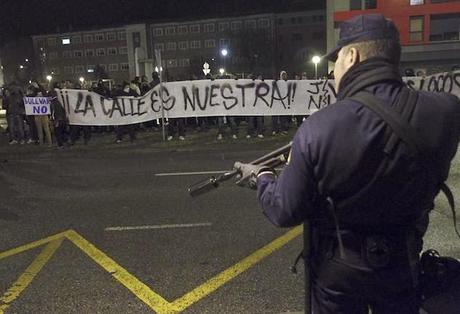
(54, 128)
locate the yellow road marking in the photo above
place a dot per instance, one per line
(143, 292)
(212, 284)
(31, 245)
(139, 289)
(26, 278)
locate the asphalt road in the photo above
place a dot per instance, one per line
(127, 238)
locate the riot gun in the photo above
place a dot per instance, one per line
(273, 159)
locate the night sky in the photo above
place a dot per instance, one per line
(26, 17)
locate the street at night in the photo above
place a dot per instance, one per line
(129, 235)
(229, 157)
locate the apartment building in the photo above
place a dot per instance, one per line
(254, 44)
(299, 37)
(113, 53)
(429, 29)
(186, 45)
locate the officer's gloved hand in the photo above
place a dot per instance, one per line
(248, 174)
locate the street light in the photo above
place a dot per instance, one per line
(81, 79)
(316, 60)
(49, 78)
(224, 53)
(221, 71)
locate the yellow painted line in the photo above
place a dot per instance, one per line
(26, 278)
(31, 245)
(214, 283)
(142, 291)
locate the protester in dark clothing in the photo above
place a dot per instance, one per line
(30, 120)
(280, 124)
(176, 125)
(75, 130)
(58, 118)
(15, 113)
(361, 187)
(127, 91)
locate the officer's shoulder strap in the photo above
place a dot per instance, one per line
(403, 130)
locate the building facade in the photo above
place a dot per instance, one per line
(259, 44)
(113, 53)
(429, 29)
(299, 37)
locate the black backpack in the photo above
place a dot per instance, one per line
(439, 278)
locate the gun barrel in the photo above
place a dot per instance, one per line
(271, 159)
(203, 186)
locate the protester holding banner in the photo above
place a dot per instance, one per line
(129, 90)
(42, 121)
(30, 119)
(58, 117)
(280, 124)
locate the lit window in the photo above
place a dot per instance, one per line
(417, 2)
(416, 28)
(66, 41)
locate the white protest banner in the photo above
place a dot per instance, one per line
(225, 97)
(37, 106)
(200, 98)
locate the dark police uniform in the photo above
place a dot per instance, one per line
(342, 179)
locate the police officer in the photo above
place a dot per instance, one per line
(367, 200)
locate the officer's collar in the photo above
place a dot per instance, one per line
(368, 72)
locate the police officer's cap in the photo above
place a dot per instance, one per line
(363, 28)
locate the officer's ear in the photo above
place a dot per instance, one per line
(352, 57)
